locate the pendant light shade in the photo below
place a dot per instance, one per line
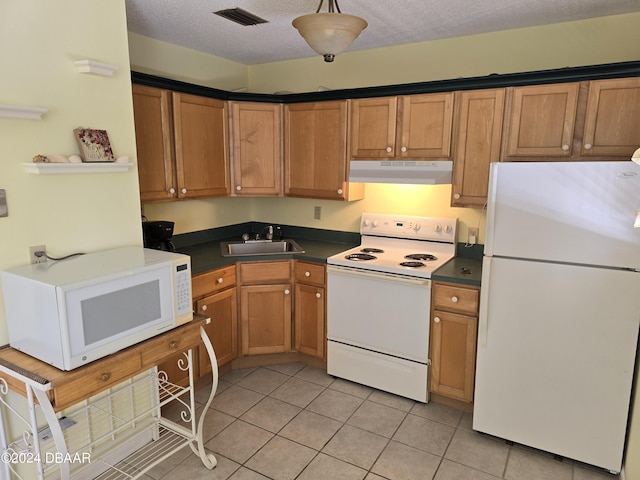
(636, 156)
(329, 33)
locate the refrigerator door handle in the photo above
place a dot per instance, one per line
(483, 322)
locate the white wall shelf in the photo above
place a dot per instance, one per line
(69, 168)
(97, 68)
(24, 113)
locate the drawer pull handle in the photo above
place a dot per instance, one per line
(456, 196)
(105, 377)
(172, 191)
(454, 299)
(174, 344)
(203, 308)
(588, 146)
(220, 280)
(565, 148)
(318, 295)
(389, 149)
(436, 319)
(403, 149)
(184, 190)
(286, 291)
(307, 274)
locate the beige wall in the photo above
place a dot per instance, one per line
(67, 213)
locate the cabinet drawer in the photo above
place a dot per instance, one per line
(97, 377)
(455, 298)
(264, 272)
(213, 281)
(159, 348)
(311, 273)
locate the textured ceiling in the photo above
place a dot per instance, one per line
(192, 24)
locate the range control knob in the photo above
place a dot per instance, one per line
(437, 228)
(448, 229)
(416, 227)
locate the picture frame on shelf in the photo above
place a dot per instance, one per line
(94, 145)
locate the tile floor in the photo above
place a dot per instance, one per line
(293, 421)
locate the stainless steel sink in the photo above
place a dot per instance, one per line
(259, 247)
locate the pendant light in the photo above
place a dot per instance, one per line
(636, 156)
(329, 33)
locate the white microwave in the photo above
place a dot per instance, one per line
(71, 312)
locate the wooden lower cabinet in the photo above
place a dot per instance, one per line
(454, 330)
(310, 308)
(221, 307)
(265, 307)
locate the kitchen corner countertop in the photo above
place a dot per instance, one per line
(461, 270)
(206, 256)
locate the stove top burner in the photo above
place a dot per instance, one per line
(372, 250)
(425, 257)
(412, 264)
(360, 257)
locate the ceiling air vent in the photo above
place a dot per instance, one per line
(240, 16)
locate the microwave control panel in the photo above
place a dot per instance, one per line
(183, 288)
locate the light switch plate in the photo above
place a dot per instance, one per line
(3, 203)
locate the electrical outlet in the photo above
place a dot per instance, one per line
(38, 254)
(473, 236)
(317, 212)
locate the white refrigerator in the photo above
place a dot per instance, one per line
(560, 307)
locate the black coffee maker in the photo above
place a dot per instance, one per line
(157, 234)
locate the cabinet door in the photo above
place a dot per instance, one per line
(612, 121)
(477, 145)
(257, 152)
(154, 143)
(202, 154)
(541, 121)
(373, 127)
(221, 307)
(453, 348)
(427, 122)
(316, 151)
(310, 335)
(265, 316)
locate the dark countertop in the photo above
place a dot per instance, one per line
(206, 256)
(204, 249)
(455, 271)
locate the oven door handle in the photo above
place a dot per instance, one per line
(389, 277)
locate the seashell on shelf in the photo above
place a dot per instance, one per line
(122, 159)
(40, 159)
(75, 159)
(58, 159)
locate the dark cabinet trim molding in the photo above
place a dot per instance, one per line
(561, 75)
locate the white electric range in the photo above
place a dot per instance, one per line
(379, 299)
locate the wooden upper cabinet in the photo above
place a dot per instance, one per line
(412, 127)
(540, 121)
(612, 118)
(426, 124)
(477, 144)
(202, 153)
(316, 151)
(373, 127)
(256, 148)
(154, 143)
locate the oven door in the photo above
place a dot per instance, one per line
(382, 312)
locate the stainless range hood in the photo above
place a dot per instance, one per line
(424, 172)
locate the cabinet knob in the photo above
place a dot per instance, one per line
(587, 146)
(172, 191)
(339, 191)
(389, 149)
(436, 319)
(203, 308)
(184, 190)
(286, 291)
(403, 149)
(105, 377)
(565, 147)
(454, 299)
(220, 280)
(173, 344)
(318, 295)
(238, 187)
(456, 196)
(307, 274)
